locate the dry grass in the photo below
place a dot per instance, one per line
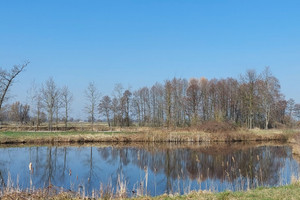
(288, 192)
(145, 134)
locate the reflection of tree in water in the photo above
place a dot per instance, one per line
(49, 168)
(119, 157)
(2, 182)
(5, 166)
(259, 165)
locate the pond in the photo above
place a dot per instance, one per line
(147, 167)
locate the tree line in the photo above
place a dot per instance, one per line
(252, 100)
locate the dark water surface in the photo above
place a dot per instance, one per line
(158, 169)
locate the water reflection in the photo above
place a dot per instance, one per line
(156, 168)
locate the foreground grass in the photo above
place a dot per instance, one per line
(284, 192)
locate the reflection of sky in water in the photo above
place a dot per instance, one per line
(169, 170)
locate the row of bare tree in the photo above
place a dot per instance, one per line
(53, 100)
(253, 100)
(48, 104)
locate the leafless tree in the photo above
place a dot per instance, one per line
(290, 107)
(297, 111)
(157, 104)
(50, 97)
(105, 108)
(19, 112)
(115, 111)
(193, 99)
(168, 102)
(269, 94)
(248, 93)
(35, 97)
(6, 79)
(179, 88)
(126, 102)
(92, 96)
(66, 100)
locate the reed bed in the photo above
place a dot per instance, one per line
(144, 135)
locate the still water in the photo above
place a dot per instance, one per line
(157, 169)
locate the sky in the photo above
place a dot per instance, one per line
(138, 42)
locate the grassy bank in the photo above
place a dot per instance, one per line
(284, 192)
(143, 135)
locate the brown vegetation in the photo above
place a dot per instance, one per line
(140, 135)
(218, 127)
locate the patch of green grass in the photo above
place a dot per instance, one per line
(284, 192)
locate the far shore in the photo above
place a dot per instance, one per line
(148, 135)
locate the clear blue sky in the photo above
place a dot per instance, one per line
(139, 42)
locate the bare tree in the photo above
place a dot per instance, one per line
(19, 112)
(118, 108)
(92, 96)
(66, 100)
(248, 93)
(168, 102)
(193, 99)
(157, 104)
(115, 110)
(269, 93)
(297, 111)
(58, 105)
(36, 103)
(126, 101)
(7, 78)
(50, 98)
(105, 107)
(290, 107)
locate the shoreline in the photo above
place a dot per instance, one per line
(44, 137)
(291, 191)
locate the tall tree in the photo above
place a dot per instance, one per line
(6, 79)
(269, 94)
(126, 101)
(248, 93)
(193, 100)
(297, 111)
(168, 102)
(157, 104)
(66, 100)
(105, 108)
(50, 98)
(290, 107)
(36, 103)
(115, 111)
(92, 96)
(19, 112)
